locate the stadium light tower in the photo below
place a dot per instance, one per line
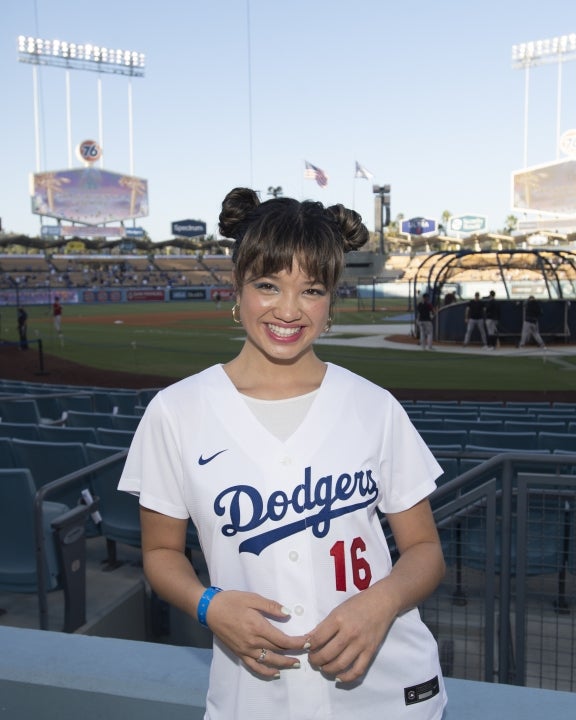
(73, 56)
(539, 52)
(381, 205)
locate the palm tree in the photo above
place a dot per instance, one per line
(446, 215)
(394, 226)
(511, 223)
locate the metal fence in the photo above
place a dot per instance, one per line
(506, 610)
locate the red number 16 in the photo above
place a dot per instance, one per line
(361, 573)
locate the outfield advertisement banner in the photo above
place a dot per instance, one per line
(145, 295)
(45, 296)
(102, 296)
(188, 294)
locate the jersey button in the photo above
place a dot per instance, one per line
(293, 555)
(286, 461)
(298, 610)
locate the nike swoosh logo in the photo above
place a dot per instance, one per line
(205, 461)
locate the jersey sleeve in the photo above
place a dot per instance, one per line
(153, 468)
(408, 468)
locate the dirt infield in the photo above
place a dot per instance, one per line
(16, 364)
(150, 319)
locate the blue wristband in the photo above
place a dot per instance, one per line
(203, 603)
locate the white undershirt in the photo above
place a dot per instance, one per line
(281, 417)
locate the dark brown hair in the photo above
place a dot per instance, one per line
(270, 235)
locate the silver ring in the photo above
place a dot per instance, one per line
(262, 656)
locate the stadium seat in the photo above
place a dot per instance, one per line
(452, 412)
(48, 461)
(114, 438)
(79, 403)
(145, 395)
(94, 420)
(528, 406)
(17, 534)
(438, 450)
(7, 459)
(451, 468)
(424, 423)
(531, 426)
(494, 450)
(63, 433)
(120, 511)
(445, 437)
(504, 414)
(27, 431)
(544, 551)
(115, 401)
(490, 425)
(21, 411)
(557, 441)
(508, 440)
(556, 416)
(124, 403)
(572, 545)
(125, 422)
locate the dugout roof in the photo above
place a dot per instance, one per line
(554, 266)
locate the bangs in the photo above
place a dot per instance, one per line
(281, 242)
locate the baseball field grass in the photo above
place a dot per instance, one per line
(177, 339)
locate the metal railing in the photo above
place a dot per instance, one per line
(70, 541)
(505, 611)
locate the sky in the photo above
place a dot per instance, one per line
(243, 92)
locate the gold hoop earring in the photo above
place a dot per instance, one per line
(236, 314)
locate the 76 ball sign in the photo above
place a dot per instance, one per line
(89, 151)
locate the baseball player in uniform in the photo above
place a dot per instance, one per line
(310, 618)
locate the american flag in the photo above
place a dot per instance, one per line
(361, 172)
(312, 172)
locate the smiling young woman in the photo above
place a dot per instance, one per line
(284, 463)
(283, 315)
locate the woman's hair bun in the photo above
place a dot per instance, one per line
(354, 232)
(237, 208)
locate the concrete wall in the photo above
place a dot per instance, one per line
(55, 676)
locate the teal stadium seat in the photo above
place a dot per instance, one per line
(17, 534)
(120, 511)
(125, 422)
(489, 425)
(63, 433)
(75, 418)
(531, 426)
(26, 431)
(114, 438)
(557, 441)
(48, 461)
(20, 411)
(7, 459)
(505, 440)
(445, 437)
(77, 403)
